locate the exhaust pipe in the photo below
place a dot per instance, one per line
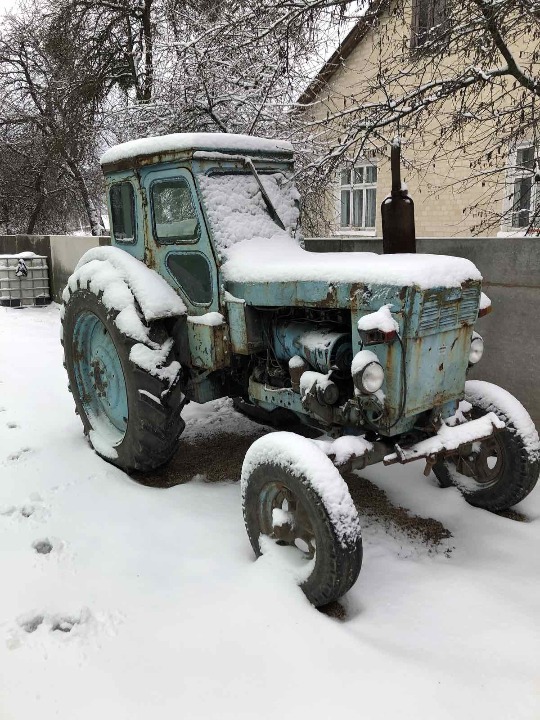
(397, 211)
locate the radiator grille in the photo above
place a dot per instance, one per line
(440, 313)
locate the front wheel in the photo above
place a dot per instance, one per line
(499, 472)
(293, 496)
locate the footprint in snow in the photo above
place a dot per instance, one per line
(19, 455)
(83, 623)
(12, 425)
(82, 626)
(30, 623)
(65, 624)
(42, 547)
(25, 511)
(35, 509)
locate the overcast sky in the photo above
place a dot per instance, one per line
(6, 5)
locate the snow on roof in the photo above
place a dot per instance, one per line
(179, 142)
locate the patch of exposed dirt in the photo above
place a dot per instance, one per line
(334, 610)
(373, 502)
(513, 515)
(206, 452)
(216, 458)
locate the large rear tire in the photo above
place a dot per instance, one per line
(501, 471)
(132, 417)
(293, 495)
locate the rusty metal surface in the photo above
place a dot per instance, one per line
(419, 452)
(245, 326)
(208, 345)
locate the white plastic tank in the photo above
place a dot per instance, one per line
(24, 280)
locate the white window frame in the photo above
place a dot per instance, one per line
(352, 186)
(514, 173)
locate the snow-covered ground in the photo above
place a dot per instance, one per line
(150, 604)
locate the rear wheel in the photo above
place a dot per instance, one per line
(499, 472)
(132, 417)
(306, 507)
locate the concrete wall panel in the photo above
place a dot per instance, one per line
(66, 251)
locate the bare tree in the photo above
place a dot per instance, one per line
(52, 94)
(460, 85)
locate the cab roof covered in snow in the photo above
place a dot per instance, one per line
(169, 147)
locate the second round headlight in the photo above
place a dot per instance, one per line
(477, 349)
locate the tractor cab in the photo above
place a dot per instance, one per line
(155, 189)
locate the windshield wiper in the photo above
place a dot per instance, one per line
(269, 204)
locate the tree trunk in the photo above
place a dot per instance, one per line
(91, 210)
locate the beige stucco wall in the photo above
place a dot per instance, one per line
(444, 206)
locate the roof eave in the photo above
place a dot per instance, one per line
(345, 48)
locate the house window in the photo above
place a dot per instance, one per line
(428, 21)
(524, 195)
(358, 196)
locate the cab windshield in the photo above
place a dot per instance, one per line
(238, 211)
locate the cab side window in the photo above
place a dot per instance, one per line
(174, 215)
(122, 201)
(192, 272)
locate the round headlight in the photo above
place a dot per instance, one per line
(477, 349)
(372, 378)
(367, 372)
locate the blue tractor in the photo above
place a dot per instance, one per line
(207, 292)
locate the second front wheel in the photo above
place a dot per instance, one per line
(294, 496)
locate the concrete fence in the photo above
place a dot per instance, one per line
(63, 252)
(510, 267)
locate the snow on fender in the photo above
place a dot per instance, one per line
(300, 456)
(492, 397)
(155, 296)
(125, 383)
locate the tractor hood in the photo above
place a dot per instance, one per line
(266, 265)
(290, 276)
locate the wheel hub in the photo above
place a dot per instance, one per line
(484, 464)
(284, 518)
(100, 377)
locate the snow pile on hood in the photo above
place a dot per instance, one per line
(177, 142)
(301, 457)
(256, 250)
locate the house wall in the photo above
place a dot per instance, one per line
(445, 203)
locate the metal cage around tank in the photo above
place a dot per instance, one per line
(24, 280)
